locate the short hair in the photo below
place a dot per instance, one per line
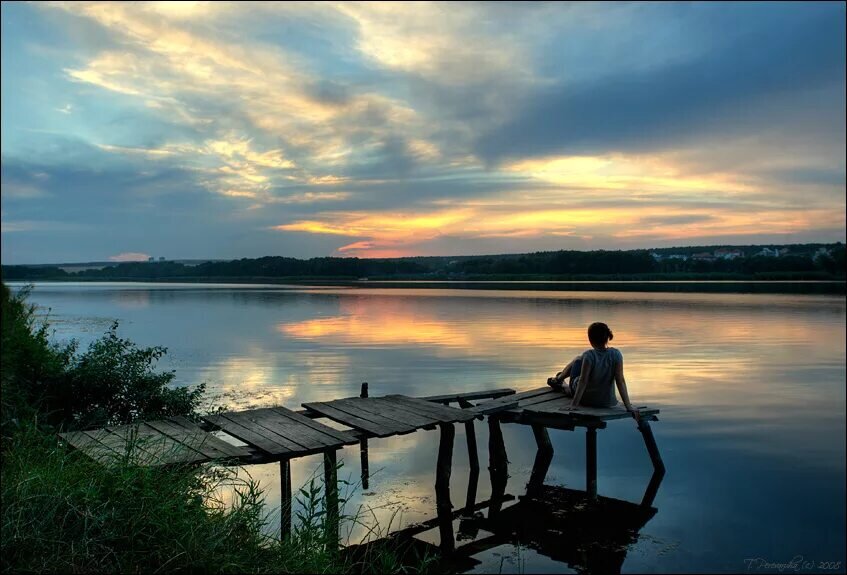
(599, 334)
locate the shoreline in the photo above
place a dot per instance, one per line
(786, 286)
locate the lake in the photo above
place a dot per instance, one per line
(751, 389)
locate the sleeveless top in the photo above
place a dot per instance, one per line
(600, 391)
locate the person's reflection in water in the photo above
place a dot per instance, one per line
(557, 522)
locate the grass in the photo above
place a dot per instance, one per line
(64, 512)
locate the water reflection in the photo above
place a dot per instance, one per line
(751, 388)
(587, 534)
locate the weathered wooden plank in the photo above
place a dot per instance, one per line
(547, 419)
(177, 451)
(432, 411)
(130, 452)
(546, 403)
(486, 409)
(444, 413)
(199, 440)
(296, 431)
(529, 394)
(130, 445)
(264, 424)
(405, 411)
(335, 414)
(470, 395)
(90, 446)
(440, 413)
(344, 437)
(247, 435)
(598, 413)
(404, 419)
(355, 407)
(366, 410)
(183, 421)
(493, 405)
(160, 449)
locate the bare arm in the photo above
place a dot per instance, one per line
(620, 381)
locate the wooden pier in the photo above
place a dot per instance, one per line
(279, 434)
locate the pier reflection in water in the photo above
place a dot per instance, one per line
(569, 526)
(750, 386)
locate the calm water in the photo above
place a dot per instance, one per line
(751, 388)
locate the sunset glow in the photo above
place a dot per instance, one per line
(389, 129)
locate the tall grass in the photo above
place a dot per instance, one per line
(64, 512)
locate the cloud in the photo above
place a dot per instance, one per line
(130, 257)
(377, 128)
(765, 50)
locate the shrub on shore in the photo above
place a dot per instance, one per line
(63, 512)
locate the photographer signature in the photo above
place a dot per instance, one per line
(796, 564)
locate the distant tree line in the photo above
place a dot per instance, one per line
(803, 261)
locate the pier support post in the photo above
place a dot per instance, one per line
(444, 514)
(473, 460)
(543, 457)
(285, 498)
(652, 489)
(363, 447)
(470, 433)
(498, 465)
(650, 442)
(542, 438)
(591, 462)
(331, 492)
(444, 468)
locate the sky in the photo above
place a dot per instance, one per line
(227, 130)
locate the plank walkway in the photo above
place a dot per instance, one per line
(279, 431)
(270, 434)
(388, 415)
(277, 434)
(162, 442)
(545, 406)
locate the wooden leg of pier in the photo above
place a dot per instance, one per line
(363, 459)
(542, 438)
(285, 498)
(498, 465)
(652, 449)
(363, 448)
(473, 463)
(652, 489)
(543, 458)
(444, 513)
(331, 491)
(591, 462)
(444, 468)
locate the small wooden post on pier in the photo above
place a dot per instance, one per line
(543, 458)
(498, 465)
(444, 466)
(652, 448)
(473, 459)
(331, 491)
(443, 503)
(363, 447)
(591, 462)
(285, 498)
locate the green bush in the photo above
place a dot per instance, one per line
(113, 382)
(63, 512)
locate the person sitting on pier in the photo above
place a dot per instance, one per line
(594, 374)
